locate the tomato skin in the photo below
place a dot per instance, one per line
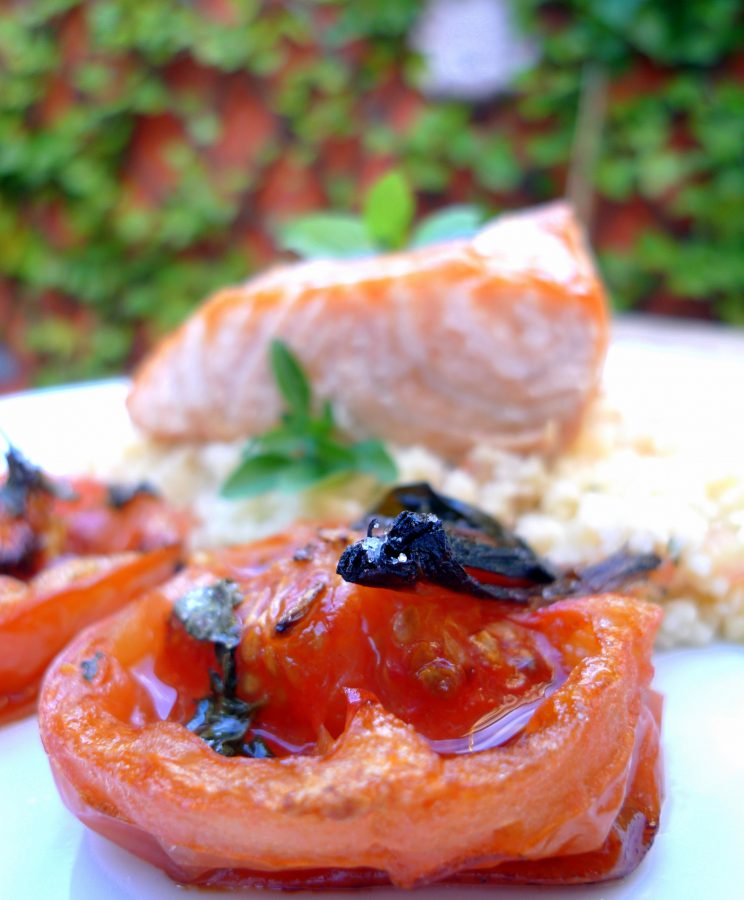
(39, 618)
(629, 839)
(574, 797)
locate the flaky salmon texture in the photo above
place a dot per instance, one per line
(498, 339)
(351, 772)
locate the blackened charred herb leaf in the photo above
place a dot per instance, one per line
(609, 574)
(26, 498)
(420, 497)
(89, 667)
(618, 569)
(257, 749)
(222, 719)
(477, 540)
(304, 554)
(119, 495)
(18, 549)
(208, 613)
(511, 564)
(415, 547)
(24, 480)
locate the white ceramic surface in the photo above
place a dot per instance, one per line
(45, 854)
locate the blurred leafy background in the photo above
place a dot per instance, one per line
(150, 150)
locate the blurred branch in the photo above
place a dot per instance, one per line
(586, 142)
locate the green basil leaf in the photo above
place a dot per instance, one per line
(335, 454)
(389, 209)
(446, 224)
(290, 379)
(322, 427)
(326, 235)
(373, 459)
(290, 440)
(256, 475)
(305, 472)
(326, 419)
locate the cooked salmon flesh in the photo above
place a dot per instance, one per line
(496, 339)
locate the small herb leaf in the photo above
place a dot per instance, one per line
(447, 224)
(89, 667)
(256, 475)
(373, 459)
(290, 379)
(208, 613)
(326, 236)
(305, 472)
(389, 208)
(222, 721)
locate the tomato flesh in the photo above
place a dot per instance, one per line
(312, 645)
(440, 662)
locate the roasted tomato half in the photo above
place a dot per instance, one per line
(257, 720)
(71, 552)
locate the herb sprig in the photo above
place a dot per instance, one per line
(304, 449)
(386, 223)
(221, 719)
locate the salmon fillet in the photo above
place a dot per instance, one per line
(496, 339)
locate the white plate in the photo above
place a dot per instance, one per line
(45, 854)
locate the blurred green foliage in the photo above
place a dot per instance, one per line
(129, 187)
(386, 222)
(674, 136)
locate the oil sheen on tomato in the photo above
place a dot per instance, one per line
(440, 661)
(313, 645)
